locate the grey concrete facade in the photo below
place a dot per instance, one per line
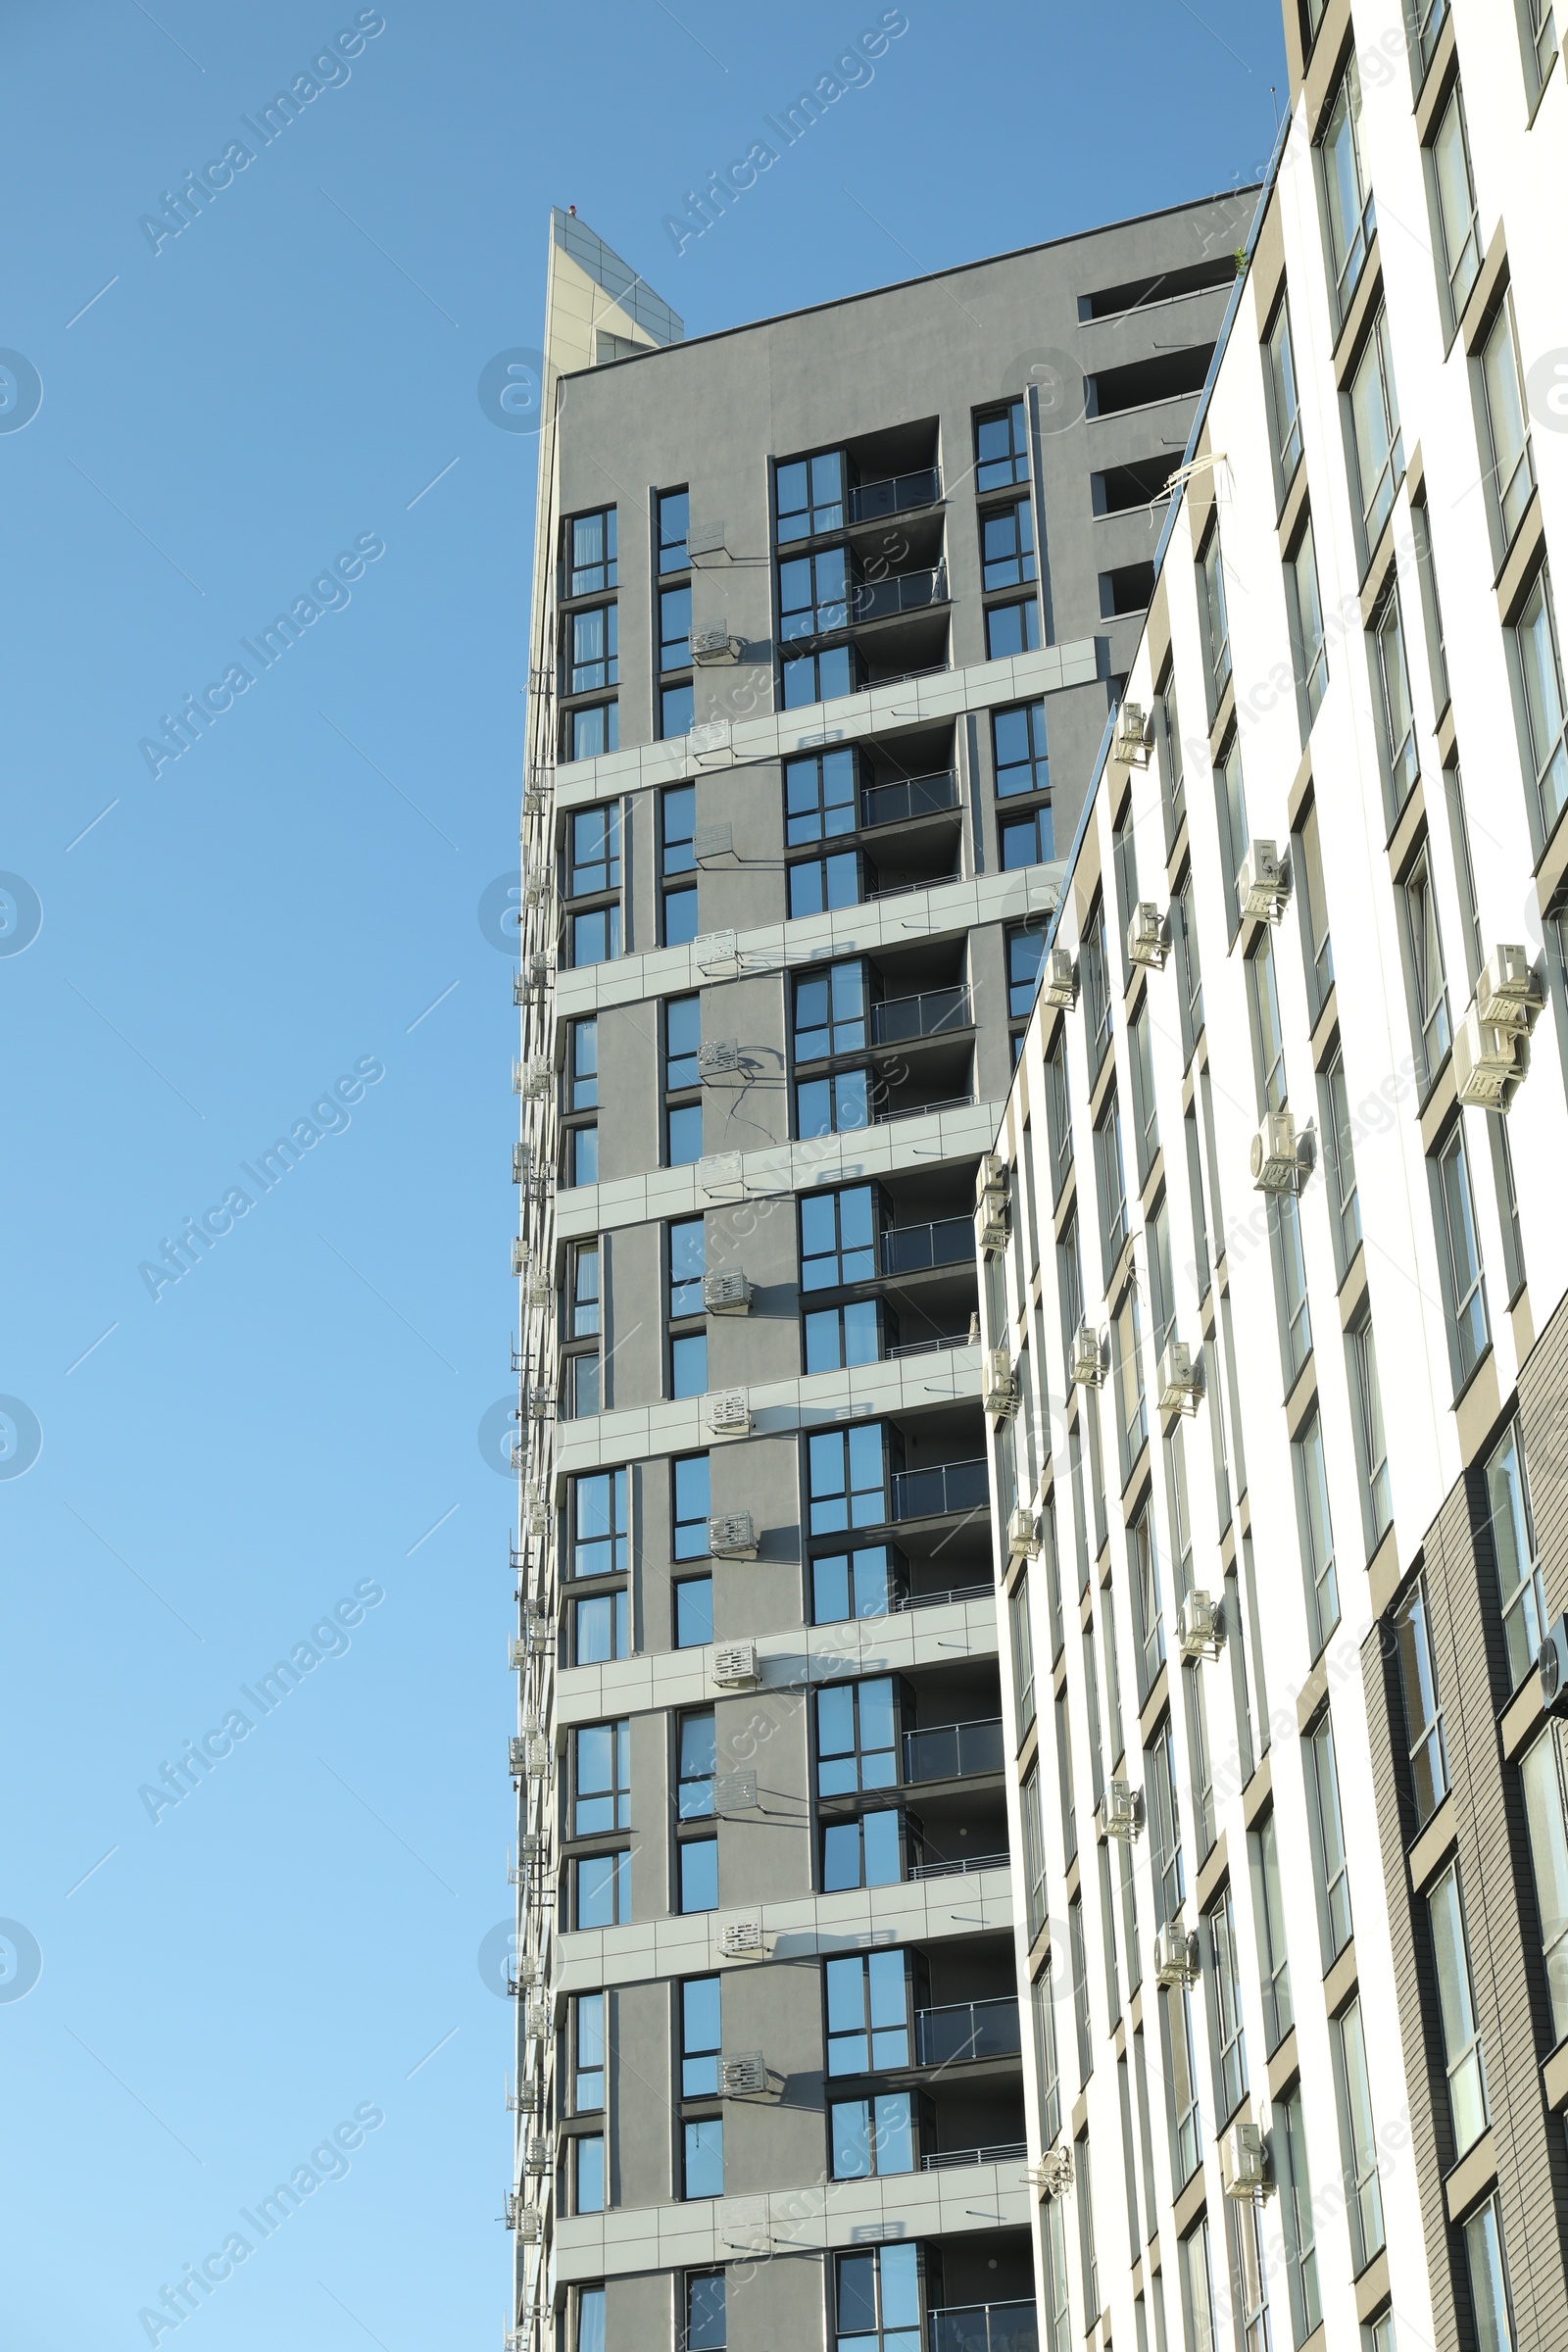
(1087, 356)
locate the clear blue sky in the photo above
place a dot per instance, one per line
(296, 896)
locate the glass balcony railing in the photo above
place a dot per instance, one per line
(912, 797)
(911, 1249)
(960, 2030)
(947, 1486)
(897, 1019)
(950, 1750)
(895, 494)
(984, 2327)
(905, 592)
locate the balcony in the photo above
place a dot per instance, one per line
(895, 494)
(1002, 2151)
(903, 591)
(951, 1751)
(914, 1249)
(946, 1487)
(919, 1110)
(962, 2030)
(913, 796)
(959, 1868)
(898, 1019)
(984, 2327)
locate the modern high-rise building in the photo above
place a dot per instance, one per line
(1275, 1288)
(830, 612)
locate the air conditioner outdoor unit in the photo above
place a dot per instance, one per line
(538, 1636)
(542, 1404)
(1201, 1627)
(713, 648)
(1180, 1380)
(541, 970)
(529, 2101)
(1261, 883)
(1175, 1954)
(990, 1220)
(540, 1292)
(1148, 936)
(539, 2020)
(1053, 2175)
(1088, 1357)
(726, 1291)
(517, 1656)
(1487, 1061)
(1023, 1533)
(513, 2203)
(538, 1517)
(743, 1939)
(733, 1536)
(729, 1413)
(517, 1758)
(735, 1792)
(1276, 1159)
(537, 891)
(999, 1392)
(1130, 743)
(529, 2231)
(1120, 1812)
(735, 1666)
(719, 1057)
(1059, 980)
(743, 2076)
(1507, 992)
(536, 2159)
(720, 1172)
(1244, 2162)
(714, 950)
(1552, 1666)
(519, 1453)
(538, 1757)
(537, 1078)
(536, 1845)
(520, 1256)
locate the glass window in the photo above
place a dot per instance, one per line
(698, 1765)
(1094, 969)
(595, 937)
(838, 1238)
(1225, 1997)
(1289, 1282)
(1058, 1115)
(1308, 640)
(1180, 2076)
(674, 510)
(836, 1105)
(1375, 432)
(1459, 1253)
(688, 1364)
(1461, 2035)
(1357, 2134)
(1453, 186)
(689, 1483)
(677, 829)
(601, 1778)
(593, 732)
(587, 2029)
(1268, 1918)
(582, 1066)
(818, 885)
(809, 495)
(1011, 629)
(1112, 1180)
(1164, 1821)
(819, 796)
(598, 1545)
(1513, 473)
(593, 552)
(1027, 839)
(699, 1874)
(1216, 623)
(1348, 199)
(1296, 2217)
(820, 677)
(1423, 1715)
(1344, 1204)
(1520, 1593)
(601, 1629)
(1173, 774)
(1018, 749)
(1034, 1850)
(1230, 797)
(583, 1290)
(1545, 1792)
(1000, 447)
(1538, 663)
(588, 2170)
(868, 1582)
(861, 1853)
(603, 1886)
(594, 649)
(706, 2329)
(1484, 2252)
(856, 1737)
(1390, 673)
(700, 2036)
(694, 1612)
(836, 1337)
(813, 594)
(675, 710)
(1023, 1655)
(1315, 912)
(1285, 399)
(703, 2157)
(1429, 991)
(687, 1255)
(1044, 2022)
(1007, 545)
(1328, 1839)
(1132, 1404)
(1268, 1041)
(594, 858)
(1026, 949)
(830, 1012)
(1371, 1449)
(590, 2319)
(878, 2299)
(867, 2013)
(872, 2136)
(846, 1478)
(683, 1030)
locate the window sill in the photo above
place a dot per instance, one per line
(1474, 2173)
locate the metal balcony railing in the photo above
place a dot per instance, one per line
(919, 1110)
(1004, 2151)
(962, 1868)
(937, 1346)
(905, 592)
(895, 494)
(911, 1249)
(912, 797)
(984, 2327)
(898, 1018)
(950, 1750)
(960, 2030)
(935, 1601)
(947, 1487)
